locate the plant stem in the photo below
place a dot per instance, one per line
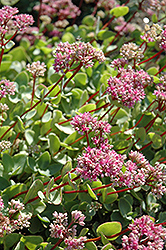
(150, 58)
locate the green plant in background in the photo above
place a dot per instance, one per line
(82, 126)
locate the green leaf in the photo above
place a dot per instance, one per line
(22, 78)
(16, 111)
(7, 162)
(14, 189)
(54, 143)
(46, 117)
(109, 229)
(156, 139)
(104, 34)
(84, 98)
(43, 219)
(83, 232)
(124, 207)
(55, 197)
(20, 125)
(38, 207)
(141, 134)
(20, 246)
(5, 65)
(10, 240)
(116, 216)
(152, 71)
(19, 54)
(31, 241)
(71, 138)
(119, 11)
(69, 197)
(162, 217)
(44, 160)
(107, 247)
(90, 246)
(154, 18)
(25, 43)
(36, 186)
(9, 2)
(80, 79)
(88, 20)
(91, 193)
(29, 136)
(30, 114)
(49, 186)
(9, 45)
(3, 131)
(68, 37)
(87, 108)
(66, 168)
(66, 128)
(108, 199)
(3, 183)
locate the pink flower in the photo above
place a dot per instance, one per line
(79, 217)
(22, 21)
(67, 54)
(145, 235)
(6, 88)
(73, 243)
(128, 87)
(8, 223)
(60, 229)
(1, 204)
(36, 69)
(96, 162)
(9, 20)
(85, 122)
(62, 8)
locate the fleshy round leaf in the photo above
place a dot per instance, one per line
(109, 229)
(124, 207)
(91, 193)
(119, 11)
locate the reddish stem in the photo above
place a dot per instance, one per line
(116, 111)
(160, 70)
(57, 244)
(150, 58)
(37, 103)
(53, 189)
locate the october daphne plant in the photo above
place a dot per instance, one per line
(82, 125)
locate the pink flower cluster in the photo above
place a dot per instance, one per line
(96, 162)
(155, 33)
(128, 87)
(60, 229)
(36, 69)
(135, 172)
(9, 20)
(16, 219)
(145, 235)
(118, 63)
(106, 4)
(139, 172)
(160, 93)
(67, 54)
(6, 88)
(62, 8)
(122, 24)
(163, 40)
(85, 122)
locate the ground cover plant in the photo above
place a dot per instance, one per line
(82, 125)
